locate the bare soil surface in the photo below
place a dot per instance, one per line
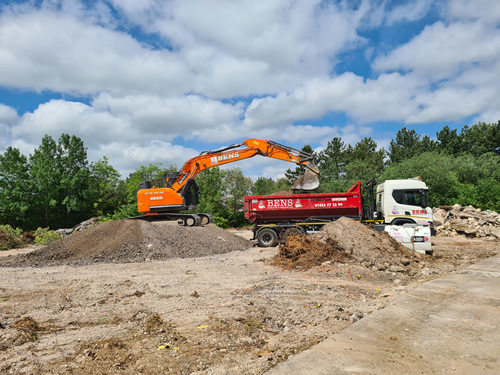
(135, 297)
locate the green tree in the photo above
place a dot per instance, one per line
(109, 191)
(332, 162)
(427, 144)
(45, 177)
(263, 186)
(481, 138)
(15, 189)
(211, 185)
(281, 185)
(449, 141)
(364, 161)
(237, 186)
(406, 145)
(74, 195)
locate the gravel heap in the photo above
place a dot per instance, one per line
(367, 247)
(126, 241)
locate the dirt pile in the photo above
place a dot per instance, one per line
(369, 248)
(304, 252)
(127, 241)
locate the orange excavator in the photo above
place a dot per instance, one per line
(180, 191)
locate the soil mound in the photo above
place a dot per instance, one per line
(368, 247)
(126, 241)
(304, 252)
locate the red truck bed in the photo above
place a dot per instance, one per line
(298, 207)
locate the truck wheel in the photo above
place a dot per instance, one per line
(267, 238)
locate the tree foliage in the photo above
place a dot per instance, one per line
(15, 188)
(57, 187)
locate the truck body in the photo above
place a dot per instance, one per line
(396, 202)
(301, 207)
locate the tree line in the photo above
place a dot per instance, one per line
(57, 187)
(458, 167)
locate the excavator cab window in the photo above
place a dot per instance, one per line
(145, 185)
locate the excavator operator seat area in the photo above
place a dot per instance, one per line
(145, 185)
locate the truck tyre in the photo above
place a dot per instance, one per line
(267, 237)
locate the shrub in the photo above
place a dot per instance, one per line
(10, 238)
(44, 236)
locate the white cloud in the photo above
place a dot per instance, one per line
(389, 97)
(441, 51)
(126, 157)
(59, 116)
(169, 117)
(411, 11)
(487, 11)
(221, 48)
(252, 47)
(8, 114)
(41, 49)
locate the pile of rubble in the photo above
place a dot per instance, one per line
(469, 221)
(79, 227)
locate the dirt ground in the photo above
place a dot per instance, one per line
(137, 297)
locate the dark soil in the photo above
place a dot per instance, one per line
(304, 252)
(127, 241)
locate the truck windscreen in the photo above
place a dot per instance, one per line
(411, 197)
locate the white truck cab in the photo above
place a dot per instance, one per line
(401, 202)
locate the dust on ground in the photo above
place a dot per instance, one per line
(137, 297)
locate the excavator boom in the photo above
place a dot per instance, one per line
(181, 193)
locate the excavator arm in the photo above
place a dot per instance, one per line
(180, 191)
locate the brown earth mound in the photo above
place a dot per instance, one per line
(126, 241)
(370, 248)
(344, 239)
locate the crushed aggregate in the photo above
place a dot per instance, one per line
(130, 241)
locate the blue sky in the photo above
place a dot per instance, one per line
(157, 81)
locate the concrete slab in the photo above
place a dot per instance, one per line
(449, 325)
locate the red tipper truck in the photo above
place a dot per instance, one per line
(278, 208)
(277, 215)
(398, 203)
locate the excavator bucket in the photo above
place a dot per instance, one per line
(308, 181)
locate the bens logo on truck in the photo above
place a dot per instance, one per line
(282, 203)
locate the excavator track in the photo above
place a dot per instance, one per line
(188, 220)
